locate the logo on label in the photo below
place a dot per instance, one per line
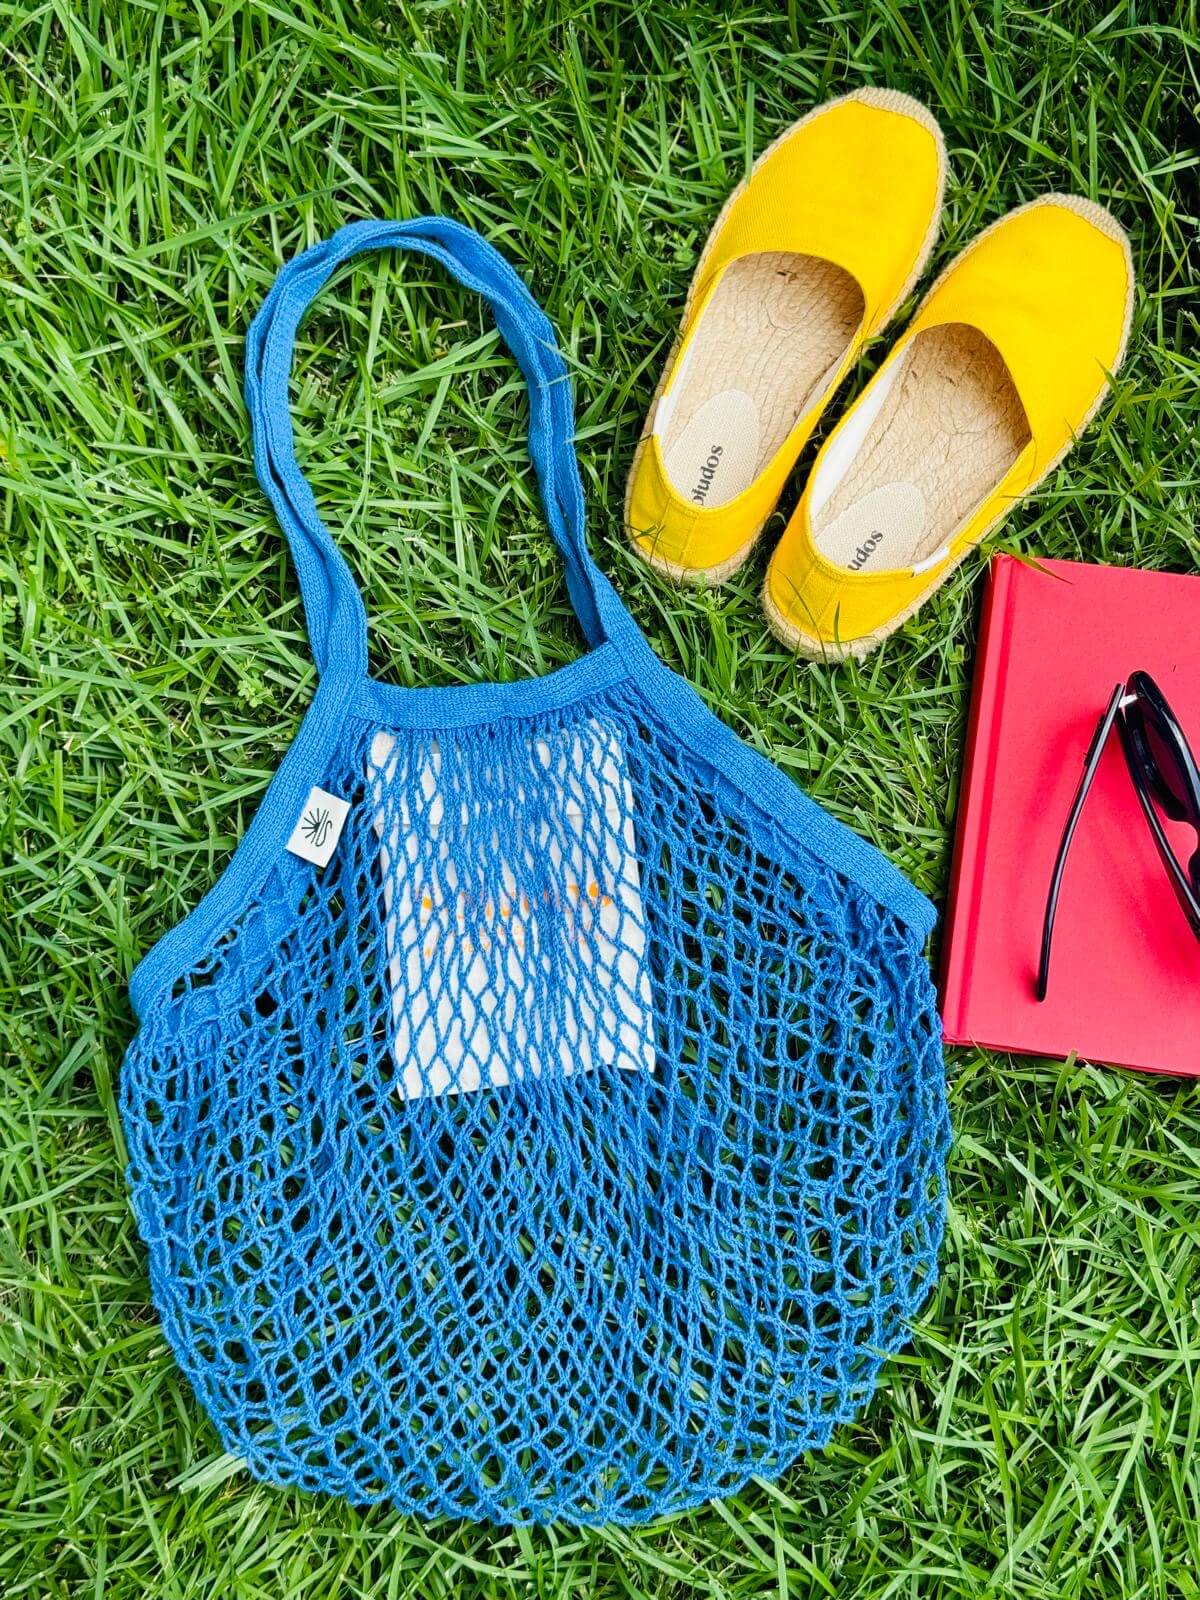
(707, 473)
(864, 550)
(319, 826)
(316, 825)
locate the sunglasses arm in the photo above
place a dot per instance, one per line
(1090, 763)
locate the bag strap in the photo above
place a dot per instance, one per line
(333, 607)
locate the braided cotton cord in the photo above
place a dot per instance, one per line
(333, 607)
(572, 1143)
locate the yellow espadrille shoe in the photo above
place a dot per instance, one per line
(1005, 362)
(809, 258)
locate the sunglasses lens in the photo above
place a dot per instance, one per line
(1169, 774)
(1160, 746)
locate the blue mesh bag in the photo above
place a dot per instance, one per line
(544, 1114)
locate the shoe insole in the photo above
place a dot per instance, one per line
(768, 343)
(949, 428)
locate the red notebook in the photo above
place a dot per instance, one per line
(1125, 971)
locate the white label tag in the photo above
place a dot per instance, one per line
(319, 827)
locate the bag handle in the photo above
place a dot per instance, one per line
(333, 607)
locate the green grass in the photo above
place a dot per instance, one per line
(157, 161)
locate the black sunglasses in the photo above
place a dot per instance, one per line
(1166, 778)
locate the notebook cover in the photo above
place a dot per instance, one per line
(1125, 971)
